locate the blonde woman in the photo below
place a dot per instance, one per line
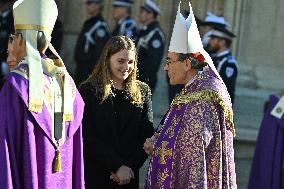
(117, 119)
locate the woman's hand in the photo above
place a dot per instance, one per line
(123, 175)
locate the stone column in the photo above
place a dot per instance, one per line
(72, 13)
(261, 45)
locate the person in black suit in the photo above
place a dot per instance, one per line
(6, 28)
(91, 40)
(118, 118)
(150, 44)
(220, 43)
(125, 24)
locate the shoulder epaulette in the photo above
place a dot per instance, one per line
(231, 59)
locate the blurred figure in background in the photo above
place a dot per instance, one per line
(227, 66)
(56, 39)
(11, 59)
(117, 120)
(206, 27)
(150, 44)
(6, 28)
(267, 168)
(91, 40)
(125, 25)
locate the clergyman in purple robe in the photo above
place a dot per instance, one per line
(193, 146)
(41, 109)
(267, 169)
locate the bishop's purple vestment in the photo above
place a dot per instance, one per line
(194, 147)
(27, 150)
(267, 166)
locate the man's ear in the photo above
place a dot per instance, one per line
(21, 41)
(22, 44)
(187, 64)
(222, 42)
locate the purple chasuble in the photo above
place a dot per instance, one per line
(27, 149)
(194, 148)
(267, 166)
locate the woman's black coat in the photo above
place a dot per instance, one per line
(114, 133)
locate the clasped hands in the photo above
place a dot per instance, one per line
(123, 175)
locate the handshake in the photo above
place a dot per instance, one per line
(148, 145)
(123, 175)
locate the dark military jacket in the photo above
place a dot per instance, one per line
(56, 38)
(150, 48)
(6, 28)
(227, 67)
(126, 27)
(90, 43)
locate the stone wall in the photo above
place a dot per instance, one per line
(260, 48)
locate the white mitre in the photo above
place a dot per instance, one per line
(37, 15)
(186, 38)
(32, 16)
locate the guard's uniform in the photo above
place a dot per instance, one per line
(6, 28)
(93, 37)
(126, 27)
(227, 67)
(150, 48)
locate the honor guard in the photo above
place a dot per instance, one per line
(211, 20)
(227, 66)
(125, 25)
(150, 44)
(94, 35)
(6, 28)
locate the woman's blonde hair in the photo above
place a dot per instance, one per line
(101, 75)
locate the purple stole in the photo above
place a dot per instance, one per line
(162, 159)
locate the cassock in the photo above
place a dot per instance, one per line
(267, 165)
(194, 145)
(27, 147)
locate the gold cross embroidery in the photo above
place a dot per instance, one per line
(163, 152)
(162, 176)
